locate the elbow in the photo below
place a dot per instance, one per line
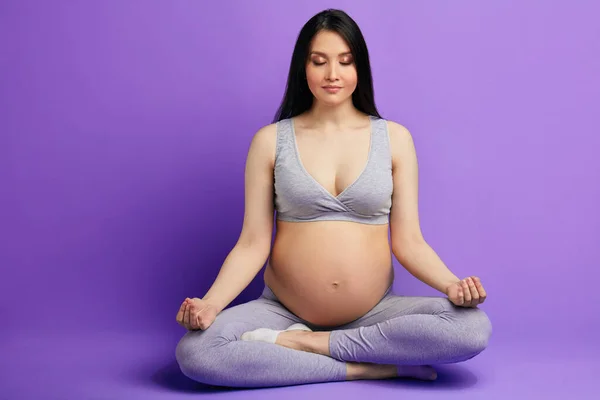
(261, 248)
(404, 250)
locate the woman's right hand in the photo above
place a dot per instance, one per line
(196, 314)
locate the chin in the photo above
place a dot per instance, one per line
(331, 102)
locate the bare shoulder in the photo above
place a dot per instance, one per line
(401, 141)
(264, 142)
(267, 132)
(398, 132)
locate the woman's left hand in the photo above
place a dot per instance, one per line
(468, 292)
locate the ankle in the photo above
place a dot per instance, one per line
(293, 339)
(311, 342)
(354, 371)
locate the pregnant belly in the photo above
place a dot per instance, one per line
(332, 272)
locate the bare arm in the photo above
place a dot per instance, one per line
(408, 245)
(251, 251)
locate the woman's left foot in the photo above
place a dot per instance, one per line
(356, 371)
(422, 372)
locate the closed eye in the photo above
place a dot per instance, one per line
(323, 63)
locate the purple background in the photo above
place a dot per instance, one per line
(124, 127)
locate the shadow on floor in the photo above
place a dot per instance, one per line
(170, 377)
(450, 377)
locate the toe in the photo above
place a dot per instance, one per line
(427, 373)
(432, 374)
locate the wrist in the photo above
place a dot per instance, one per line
(214, 303)
(449, 284)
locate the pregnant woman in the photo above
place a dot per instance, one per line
(342, 181)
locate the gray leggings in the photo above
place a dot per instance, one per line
(399, 330)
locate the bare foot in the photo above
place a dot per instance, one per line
(423, 372)
(356, 371)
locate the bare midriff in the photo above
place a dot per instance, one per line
(329, 273)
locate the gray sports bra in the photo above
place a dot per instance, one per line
(298, 197)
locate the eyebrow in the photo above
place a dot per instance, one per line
(325, 55)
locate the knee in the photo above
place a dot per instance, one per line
(470, 328)
(196, 355)
(476, 331)
(188, 353)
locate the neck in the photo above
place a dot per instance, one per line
(339, 115)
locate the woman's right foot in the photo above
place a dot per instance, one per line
(423, 372)
(381, 371)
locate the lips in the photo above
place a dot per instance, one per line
(332, 89)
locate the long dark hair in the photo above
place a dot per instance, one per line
(298, 98)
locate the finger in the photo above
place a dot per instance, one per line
(461, 296)
(474, 292)
(194, 317)
(186, 317)
(467, 293)
(199, 323)
(179, 317)
(200, 320)
(480, 289)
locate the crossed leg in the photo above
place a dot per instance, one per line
(399, 337)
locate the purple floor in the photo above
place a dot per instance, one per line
(125, 127)
(141, 366)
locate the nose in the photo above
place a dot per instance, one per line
(332, 74)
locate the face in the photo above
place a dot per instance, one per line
(330, 69)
